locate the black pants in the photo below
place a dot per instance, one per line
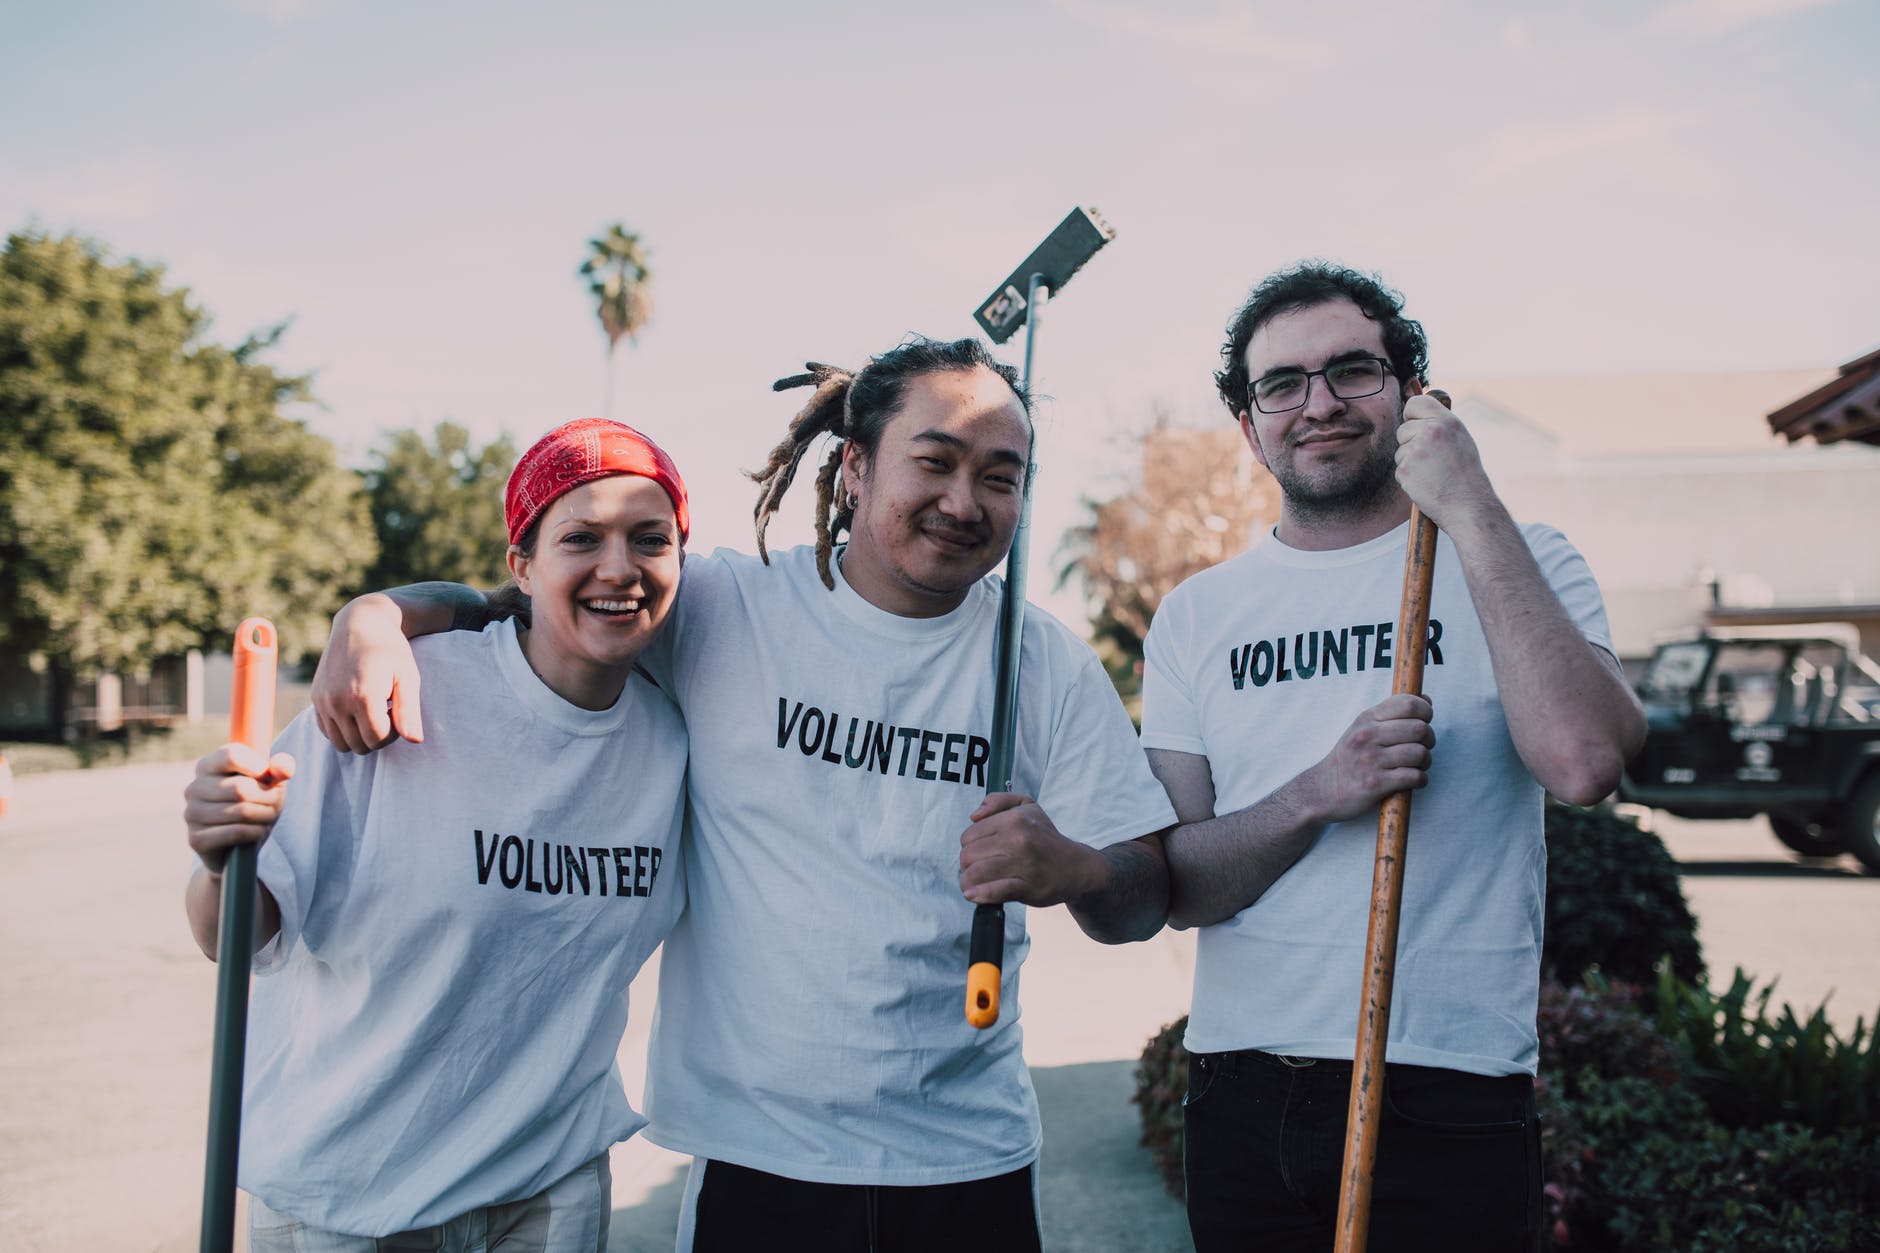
(1458, 1160)
(747, 1211)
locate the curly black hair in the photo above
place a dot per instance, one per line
(1314, 283)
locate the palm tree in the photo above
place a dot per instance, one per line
(621, 284)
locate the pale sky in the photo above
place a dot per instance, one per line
(1604, 186)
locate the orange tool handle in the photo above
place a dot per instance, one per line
(251, 712)
(1353, 1228)
(986, 968)
(251, 722)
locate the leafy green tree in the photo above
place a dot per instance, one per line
(437, 505)
(622, 287)
(152, 494)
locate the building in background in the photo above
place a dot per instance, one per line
(1689, 508)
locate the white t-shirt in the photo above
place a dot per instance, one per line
(436, 1023)
(811, 1018)
(1260, 664)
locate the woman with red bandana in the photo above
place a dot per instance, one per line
(446, 931)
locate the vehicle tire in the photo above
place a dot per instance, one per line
(1862, 824)
(1808, 837)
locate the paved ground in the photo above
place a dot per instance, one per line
(105, 1010)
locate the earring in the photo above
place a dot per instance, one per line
(854, 500)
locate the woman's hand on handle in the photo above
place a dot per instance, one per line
(235, 798)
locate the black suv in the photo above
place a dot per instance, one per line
(1783, 721)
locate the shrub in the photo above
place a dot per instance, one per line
(1161, 1082)
(1599, 1026)
(1635, 1164)
(1606, 1076)
(1753, 1071)
(1613, 901)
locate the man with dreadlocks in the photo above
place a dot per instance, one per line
(810, 1048)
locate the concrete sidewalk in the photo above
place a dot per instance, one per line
(106, 1007)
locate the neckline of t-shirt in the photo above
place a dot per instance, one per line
(879, 621)
(543, 701)
(1273, 548)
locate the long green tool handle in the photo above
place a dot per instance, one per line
(986, 957)
(251, 722)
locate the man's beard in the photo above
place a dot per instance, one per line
(1341, 492)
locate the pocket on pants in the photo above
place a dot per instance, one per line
(1461, 1104)
(1203, 1071)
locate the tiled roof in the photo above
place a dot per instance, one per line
(1845, 407)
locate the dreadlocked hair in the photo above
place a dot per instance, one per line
(825, 414)
(854, 407)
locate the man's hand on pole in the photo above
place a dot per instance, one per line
(1014, 852)
(365, 689)
(1385, 750)
(1438, 465)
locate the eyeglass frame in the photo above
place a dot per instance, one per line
(1305, 395)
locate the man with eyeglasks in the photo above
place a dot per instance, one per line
(1268, 718)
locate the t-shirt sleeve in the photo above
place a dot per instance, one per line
(706, 593)
(1097, 785)
(1571, 579)
(1170, 718)
(306, 861)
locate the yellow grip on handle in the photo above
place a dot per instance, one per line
(982, 994)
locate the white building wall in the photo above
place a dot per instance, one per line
(1791, 526)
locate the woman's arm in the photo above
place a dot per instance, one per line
(365, 689)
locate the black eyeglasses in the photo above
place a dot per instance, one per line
(1349, 380)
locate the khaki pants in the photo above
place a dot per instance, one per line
(569, 1216)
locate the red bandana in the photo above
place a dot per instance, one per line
(578, 452)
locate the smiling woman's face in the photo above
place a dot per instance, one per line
(601, 581)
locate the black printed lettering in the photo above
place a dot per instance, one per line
(1362, 634)
(652, 874)
(1335, 650)
(861, 743)
(577, 869)
(949, 754)
(534, 884)
(1381, 657)
(1283, 673)
(978, 753)
(1303, 668)
(600, 867)
(1261, 667)
(849, 756)
(511, 876)
(1237, 664)
(640, 887)
(623, 874)
(809, 741)
(786, 724)
(1433, 653)
(485, 866)
(929, 748)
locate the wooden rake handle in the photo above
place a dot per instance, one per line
(1380, 944)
